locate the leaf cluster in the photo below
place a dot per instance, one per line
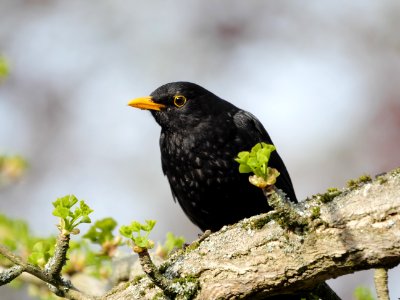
(256, 161)
(133, 232)
(101, 233)
(70, 219)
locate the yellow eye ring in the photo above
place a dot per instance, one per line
(179, 100)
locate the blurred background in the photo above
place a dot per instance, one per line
(323, 78)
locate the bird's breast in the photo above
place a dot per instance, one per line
(195, 163)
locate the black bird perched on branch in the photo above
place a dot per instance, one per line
(201, 134)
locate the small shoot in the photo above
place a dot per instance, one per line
(133, 232)
(70, 219)
(171, 242)
(256, 161)
(101, 233)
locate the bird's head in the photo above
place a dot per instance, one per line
(179, 105)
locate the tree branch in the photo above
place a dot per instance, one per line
(58, 260)
(258, 258)
(55, 282)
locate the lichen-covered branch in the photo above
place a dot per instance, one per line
(152, 271)
(10, 274)
(57, 262)
(357, 230)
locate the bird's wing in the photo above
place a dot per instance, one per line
(248, 124)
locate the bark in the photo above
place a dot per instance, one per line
(255, 258)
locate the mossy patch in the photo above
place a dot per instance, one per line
(185, 287)
(363, 179)
(329, 195)
(395, 172)
(192, 247)
(315, 212)
(258, 223)
(382, 179)
(137, 278)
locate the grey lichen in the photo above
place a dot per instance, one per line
(286, 214)
(185, 287)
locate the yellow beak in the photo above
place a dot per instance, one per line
(145, 103)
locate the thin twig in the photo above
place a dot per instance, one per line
(381, 283)
(152, 271)
(56, 263)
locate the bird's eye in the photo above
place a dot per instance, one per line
(179, 100)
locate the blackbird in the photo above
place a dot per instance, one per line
(201, 134)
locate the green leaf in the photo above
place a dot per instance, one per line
(256, 147)
(141, 241)
(106, 224)
(86, 210)
(85, 219)
(242, 157)
(69, 201)
(70, 219)
(133, 232)
(257, 162)
(252, 163)
(135, 226)
(149, 225)
(61, 212)
(126, 231)
(262, 158)
(173, 242)
(101, 231)
(244, 168)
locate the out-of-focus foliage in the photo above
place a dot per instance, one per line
(12, 168)
(15, 234)
(101, 233)
(4, 68)
(171, 242)
(363, 293)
